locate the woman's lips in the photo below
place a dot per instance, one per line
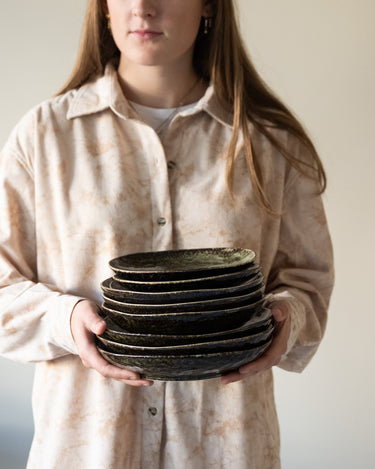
(146, 34)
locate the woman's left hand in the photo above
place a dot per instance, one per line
(272, 356)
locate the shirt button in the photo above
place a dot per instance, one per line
(153, 411)
(162, 221)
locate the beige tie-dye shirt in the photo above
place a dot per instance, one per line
(83, 180)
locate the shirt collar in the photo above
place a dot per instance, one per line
(105, 92)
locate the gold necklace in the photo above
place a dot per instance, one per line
(161, 128)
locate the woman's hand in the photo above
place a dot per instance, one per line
(85, 322)
(272, 356)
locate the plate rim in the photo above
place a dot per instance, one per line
(266, 315)
(173, 306)
(179, 347)
(257, 279)
(250, 257)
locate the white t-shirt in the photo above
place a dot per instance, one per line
(154, 116)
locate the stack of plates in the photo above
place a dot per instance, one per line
(184, 315)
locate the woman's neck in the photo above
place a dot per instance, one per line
(160, 86)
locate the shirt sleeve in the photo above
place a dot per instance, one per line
(302, 272)
(34, 317)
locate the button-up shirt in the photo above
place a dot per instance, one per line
(84, 180)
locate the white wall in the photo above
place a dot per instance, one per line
(38, 40)
(320, 58)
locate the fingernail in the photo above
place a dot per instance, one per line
(98, 326)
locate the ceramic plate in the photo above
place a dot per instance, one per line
(189, 322)
(117, 290)
(182, 264)
(235, 301)
(218, 281)
(185, 367)
(258, 323)
(236, 343)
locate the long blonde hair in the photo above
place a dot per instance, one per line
(219, 57)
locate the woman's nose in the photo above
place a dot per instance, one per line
(144, 8)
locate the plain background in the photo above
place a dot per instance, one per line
(319, 56)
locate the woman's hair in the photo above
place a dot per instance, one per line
(219, 57)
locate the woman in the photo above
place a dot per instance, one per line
(164, 138)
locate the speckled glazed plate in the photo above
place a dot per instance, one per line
(181, 264)
(118, 291)
(224, 345)
(259, 322)
(213, 281)
(187, 322)
(245, 299)
(185, 367)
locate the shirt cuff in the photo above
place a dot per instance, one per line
(297, 318)
(59, 322)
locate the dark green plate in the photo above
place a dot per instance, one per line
(198, 347)
(259, 323)
(185, 367)
(216, 281)
(182, 264)
(116, 290)
(245, 299)
(186, 322)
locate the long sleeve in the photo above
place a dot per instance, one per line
(302, 272)
(34, 317)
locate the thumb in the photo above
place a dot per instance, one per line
(97, 325)
(280, 312)
(93, 322)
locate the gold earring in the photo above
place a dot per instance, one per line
(207, 25)
(108, 21)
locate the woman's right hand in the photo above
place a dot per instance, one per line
(85, 322)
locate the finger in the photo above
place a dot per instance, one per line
(139, 382)
(231, 378)
(272, 356)
(94, 322)
(279, 314)
(280, 310)
(265, 362)
(91, 358)
(98, 363)
(268, 360)
(91, 323)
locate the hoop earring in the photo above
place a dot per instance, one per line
(108, 22)
(207, 25)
